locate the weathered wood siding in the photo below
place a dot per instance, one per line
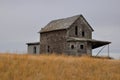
(71, 32)
(81, 27)
(54, 40)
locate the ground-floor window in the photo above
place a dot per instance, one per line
(81, 46)
(72, 46)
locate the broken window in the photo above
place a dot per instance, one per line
(81, 46)
(76, 30)
(72, 46)
(34, 50)
(83, 33)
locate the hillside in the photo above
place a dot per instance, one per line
(53, 67)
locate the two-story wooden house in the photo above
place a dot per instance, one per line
(72, 36)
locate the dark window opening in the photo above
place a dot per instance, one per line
(34, 50)
(76, 30)
(48, 48)
(81, 46)
(72, 46)
(83, 33)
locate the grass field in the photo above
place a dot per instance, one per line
(54, 67)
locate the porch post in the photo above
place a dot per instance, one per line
(108, 51)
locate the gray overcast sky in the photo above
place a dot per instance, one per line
(20, 20)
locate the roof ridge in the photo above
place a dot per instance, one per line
(59, 24)
(67, 17)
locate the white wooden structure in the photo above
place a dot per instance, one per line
(33, 48)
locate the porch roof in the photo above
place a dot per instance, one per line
(95, 43)
(33, 43)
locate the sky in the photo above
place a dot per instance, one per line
(21, 20)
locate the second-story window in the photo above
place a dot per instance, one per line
(76, 30)
(83, 33)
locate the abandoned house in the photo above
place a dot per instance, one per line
(72, 36)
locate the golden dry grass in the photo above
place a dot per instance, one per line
(54, 67)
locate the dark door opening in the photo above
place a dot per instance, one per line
(48, 48)
(34, 50)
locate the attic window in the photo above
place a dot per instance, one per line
(72, 46)
(76, 30)
(83, 33)
(81, 46)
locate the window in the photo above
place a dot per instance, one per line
(76, 30)
(83, 33)
(81, 46)
(34, 50)
(48, 48)
(72, 46)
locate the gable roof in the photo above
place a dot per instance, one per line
(62, 24)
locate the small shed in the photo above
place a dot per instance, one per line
(33, 48)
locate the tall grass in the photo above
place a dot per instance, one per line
(54, 67)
